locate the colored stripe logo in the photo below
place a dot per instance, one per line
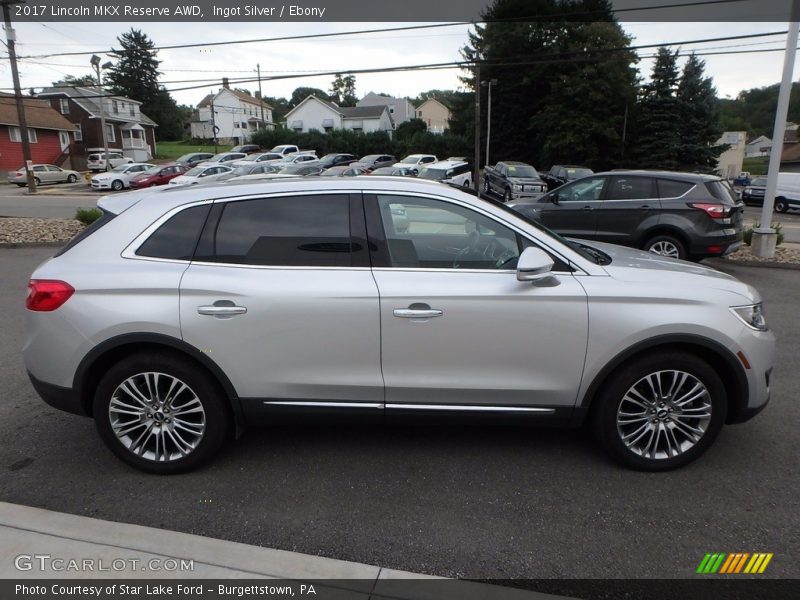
(734, 563)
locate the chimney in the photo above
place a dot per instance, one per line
(258, 94)
(225, 83)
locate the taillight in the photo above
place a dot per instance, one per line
(47, 294)
(715, 211)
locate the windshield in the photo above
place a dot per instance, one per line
(218, 157)
(760, 181)
(411, 159)
(154, 169)
(384, 171)
(522, 171)
(187, 157)
(333, 172)
(119, 169)
(431, 173)
(369, 158)
(243, 170)
(578, 173)
(278, 149)
(195, 172)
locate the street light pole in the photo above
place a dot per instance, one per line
(489, 84)
(95, 60)
(477, 166)
(260, 98)
(11, 36)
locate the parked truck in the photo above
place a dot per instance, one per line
(513, 180)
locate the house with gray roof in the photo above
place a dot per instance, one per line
(322, 115)
(128, 129)
(400, 109)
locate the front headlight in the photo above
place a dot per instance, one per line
(752, 315)
(516, 187)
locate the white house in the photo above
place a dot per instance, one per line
(400, 109)
(760, 146)
(315, 113)
(237, 115)
(729, 164)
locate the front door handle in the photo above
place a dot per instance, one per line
(222, 308)
(587, 207)
(418, 310)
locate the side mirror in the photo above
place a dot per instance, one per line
(533, 264)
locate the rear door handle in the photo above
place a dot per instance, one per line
(222, 310)
(417, 311)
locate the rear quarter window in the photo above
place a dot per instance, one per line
(721, 191)
(177, 238)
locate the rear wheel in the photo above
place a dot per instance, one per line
(160, 413)
(781, 205)
(661, 411)
(666, 245)
(37, 181)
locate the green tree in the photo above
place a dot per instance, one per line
(343, 90)
(699, 122)
(301, 93)
(658, 143)
(537, 116)
(406, 130)
(87, 80)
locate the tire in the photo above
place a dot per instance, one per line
(781, 205)
(705, 415)
(72, 179)
(666, 245)
(168, 446)
(486, 188)
(153, 185)
(117, 185)
(507, 195)
(20, 185)
(37, 181)
(467, 184)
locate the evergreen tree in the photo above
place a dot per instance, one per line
(699, 122)
(79, 81)
(343, 90)
(301, 93)
(659, 144)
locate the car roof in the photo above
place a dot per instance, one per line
(446, 164)
(516, 163)
(684, 175)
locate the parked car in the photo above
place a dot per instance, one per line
(43, 174)
(222, 158)
(416, 161)
(396, 171)
(753, 194)
(343, 171)
(194, 158)
(97, 162)
(456, 172)
(158, 175)
(336, 159)
(742, 180)
(252, 168)
(247, 148)
(275, 305)
(787, 192)
(298, 157)
(202, 174)
(513, 180)
(119, 177)
(561, 174)
(677, 215)
(257, 157)
(375, 161)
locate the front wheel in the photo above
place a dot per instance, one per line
(781, 205)
(666, 245)
(72, 178)
(507, 195)
(160, 413)
(661, 411)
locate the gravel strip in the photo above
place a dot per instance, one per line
(25, 230)
(783, 256)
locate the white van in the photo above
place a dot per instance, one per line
(787, 192)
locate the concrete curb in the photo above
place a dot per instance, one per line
(35, 531)
(720, 262)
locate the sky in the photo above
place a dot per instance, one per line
(182, 68)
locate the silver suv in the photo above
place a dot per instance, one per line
(185, 314)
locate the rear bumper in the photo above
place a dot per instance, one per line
(65, 399)
(717, 243)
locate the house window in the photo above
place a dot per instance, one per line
(110, 133)
(64, 104)
(236, 125)
(115, 106)
(15, 135)
(391, 109)
(78, 135)
(133, 110)
(63, 138)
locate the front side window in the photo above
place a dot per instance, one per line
(584, 190)
(299, 231)
(433, 234)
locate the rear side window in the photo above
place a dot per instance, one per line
(721, 191)
(630, 188)
(299, 231)
(669, 188)
(177, 238)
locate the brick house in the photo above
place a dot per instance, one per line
(50, 134)
(128, 129)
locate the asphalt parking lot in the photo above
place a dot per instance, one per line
(469, 502)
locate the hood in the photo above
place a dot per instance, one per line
(629, 264)
(525, 180)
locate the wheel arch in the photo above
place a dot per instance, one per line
(723, 361)
(664, 229)
(95, 364)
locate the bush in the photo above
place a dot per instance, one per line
(87, 216)
(748, 233)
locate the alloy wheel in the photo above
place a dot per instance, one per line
(157, 417)
(664, 414)
(665, 248)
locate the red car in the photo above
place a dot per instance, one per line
(159, 175)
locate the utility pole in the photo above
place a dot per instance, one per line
(11, 36)
(214, 123)
(260, 98)
(489, 83)
(764, 236)
(95, 61)
(476, 175)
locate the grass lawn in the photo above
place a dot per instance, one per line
(172, 150)
(756, 166)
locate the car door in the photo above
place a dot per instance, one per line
(458, 329)
(281, 297)
(571, 209)
(55, 174)
(628, 200)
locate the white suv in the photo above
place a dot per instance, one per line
(97, 162)
(186, 313)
